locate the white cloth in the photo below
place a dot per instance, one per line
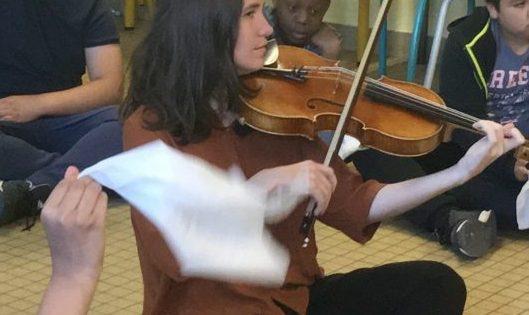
(522, 207)
(212, 221)
(349, 146)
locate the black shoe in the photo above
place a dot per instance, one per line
(472, 233)
(19, 199)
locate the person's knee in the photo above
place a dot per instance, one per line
(111, 128)
(448, 280)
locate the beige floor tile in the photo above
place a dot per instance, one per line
(508, 310)
(524, 305)
(473, 284)
(476, 310)
(21, 304)
(106, 309)
(499, 299)
(480, 294)
(511, 293)
(7, 310)
(493, 285)
(523, 287)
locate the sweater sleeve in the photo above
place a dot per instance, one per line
(151, 245)
(351, 201)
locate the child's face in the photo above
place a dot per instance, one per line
(513, 16)
(250, 47)
(300, 19)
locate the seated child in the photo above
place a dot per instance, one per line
(300, 23)
(484, 73)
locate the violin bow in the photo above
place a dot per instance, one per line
(308, 220)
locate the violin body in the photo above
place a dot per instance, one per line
(303, 108)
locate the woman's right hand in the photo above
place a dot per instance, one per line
(306, 178)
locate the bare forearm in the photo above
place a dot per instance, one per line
(105, 69)
(68, 295)
(395, 199)
(80, 99)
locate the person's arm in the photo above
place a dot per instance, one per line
(329, 41)
(395, 199)
(74, 220)
(105, 70)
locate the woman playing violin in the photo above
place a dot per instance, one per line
(185, 90)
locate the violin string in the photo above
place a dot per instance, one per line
(432, 105)
(441, 111)
(411, 97)
(406, 101)
(389, 87)
(411, 104)
(434, 109)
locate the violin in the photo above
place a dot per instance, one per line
(395, 117)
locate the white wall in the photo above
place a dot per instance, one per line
(401, 15)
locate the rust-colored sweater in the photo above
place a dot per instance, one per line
(166, 291)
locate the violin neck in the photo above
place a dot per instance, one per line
(391, 95)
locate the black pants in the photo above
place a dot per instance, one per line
(415, 287)
(489, 190)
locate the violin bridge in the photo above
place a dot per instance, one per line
(337, 83)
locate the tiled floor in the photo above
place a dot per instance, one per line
(497, 283)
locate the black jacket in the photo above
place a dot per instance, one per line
(466, 66)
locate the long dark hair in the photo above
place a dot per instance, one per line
(183, 64)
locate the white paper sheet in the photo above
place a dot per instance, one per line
(212, 221)
(522, 208)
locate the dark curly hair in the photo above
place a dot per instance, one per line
(183, 64)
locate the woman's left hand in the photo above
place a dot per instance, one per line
(498, 140)
(74, 220)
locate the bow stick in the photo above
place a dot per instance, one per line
(308, 220)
